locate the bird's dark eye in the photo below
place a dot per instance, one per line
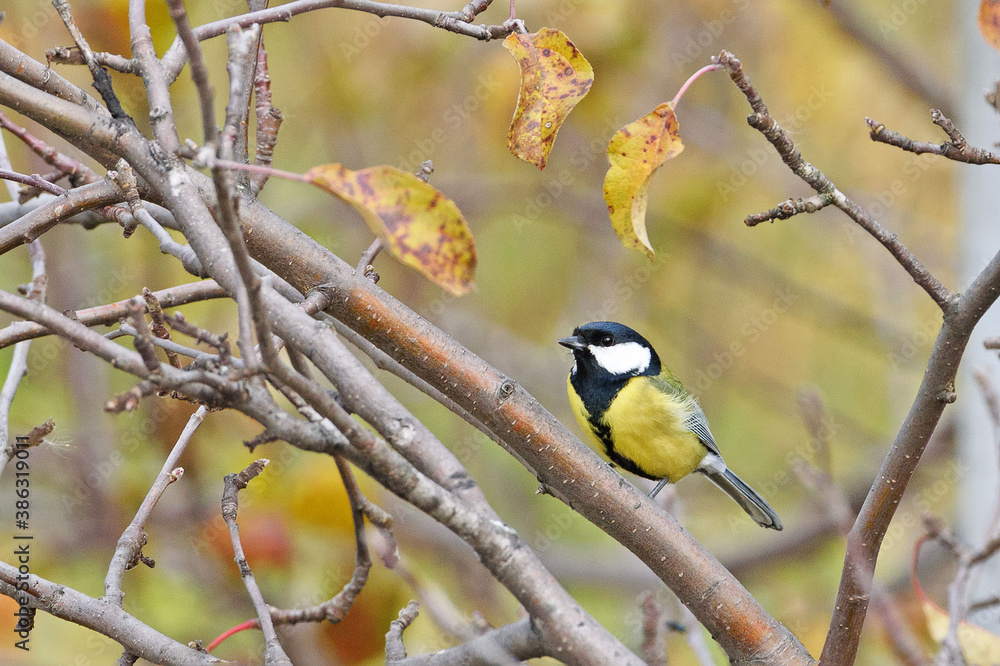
(607, 341)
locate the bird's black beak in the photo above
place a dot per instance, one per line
(573, 342)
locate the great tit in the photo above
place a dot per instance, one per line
(639, 415)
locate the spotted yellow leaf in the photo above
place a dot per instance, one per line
(989, 21)
(419, 225)
(635, 152)
(554, 77)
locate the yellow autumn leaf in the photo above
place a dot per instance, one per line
(419, 225)
(989, 21)
(554, 77)
(635, 152)
(979, 646)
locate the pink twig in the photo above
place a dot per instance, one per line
(687, 84)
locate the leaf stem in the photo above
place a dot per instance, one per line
(692, 79)
(259, 168)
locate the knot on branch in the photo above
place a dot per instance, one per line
(506, 390)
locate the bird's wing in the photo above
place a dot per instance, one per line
(697, 422)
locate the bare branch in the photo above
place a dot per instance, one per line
(457, 22)
(957, 149)
(206, 95)
(102, 82)
(273, 653)
(128, 551)
(394, 648)
(104, 618)
(782, 141)
(37, 222)
(268, 120)
(519, 641)
(790, 208)
(67, 56)
(111, 313)
(336, 609)
(19, 362)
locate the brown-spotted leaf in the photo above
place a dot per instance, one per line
(421, 227)
(635, 152)
(989, 21)
(554, 77)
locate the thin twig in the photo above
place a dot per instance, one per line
(367, 257)
(790, 208)
(34, 180)
(175, 57)
(102, 81)
(473, 9)
(273, 653)
(157, 325)
(199, 73)
(268, 121)
(112, 312)
(251, 314)
(19, 361)
(128, 551)
(782, 141)
(336, 609)
(958, 149)
(66, 56)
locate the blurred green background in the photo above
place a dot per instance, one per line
(748, 318)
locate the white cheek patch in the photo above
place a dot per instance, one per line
(621, 359)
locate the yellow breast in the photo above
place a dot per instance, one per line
(646, 426)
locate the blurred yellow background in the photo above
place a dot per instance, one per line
(747, 318)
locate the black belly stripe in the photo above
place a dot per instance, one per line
(603, 432)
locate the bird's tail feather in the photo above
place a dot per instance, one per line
(744, 495)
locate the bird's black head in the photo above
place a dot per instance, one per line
(608, 348)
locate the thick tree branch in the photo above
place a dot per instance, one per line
(564, 464)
